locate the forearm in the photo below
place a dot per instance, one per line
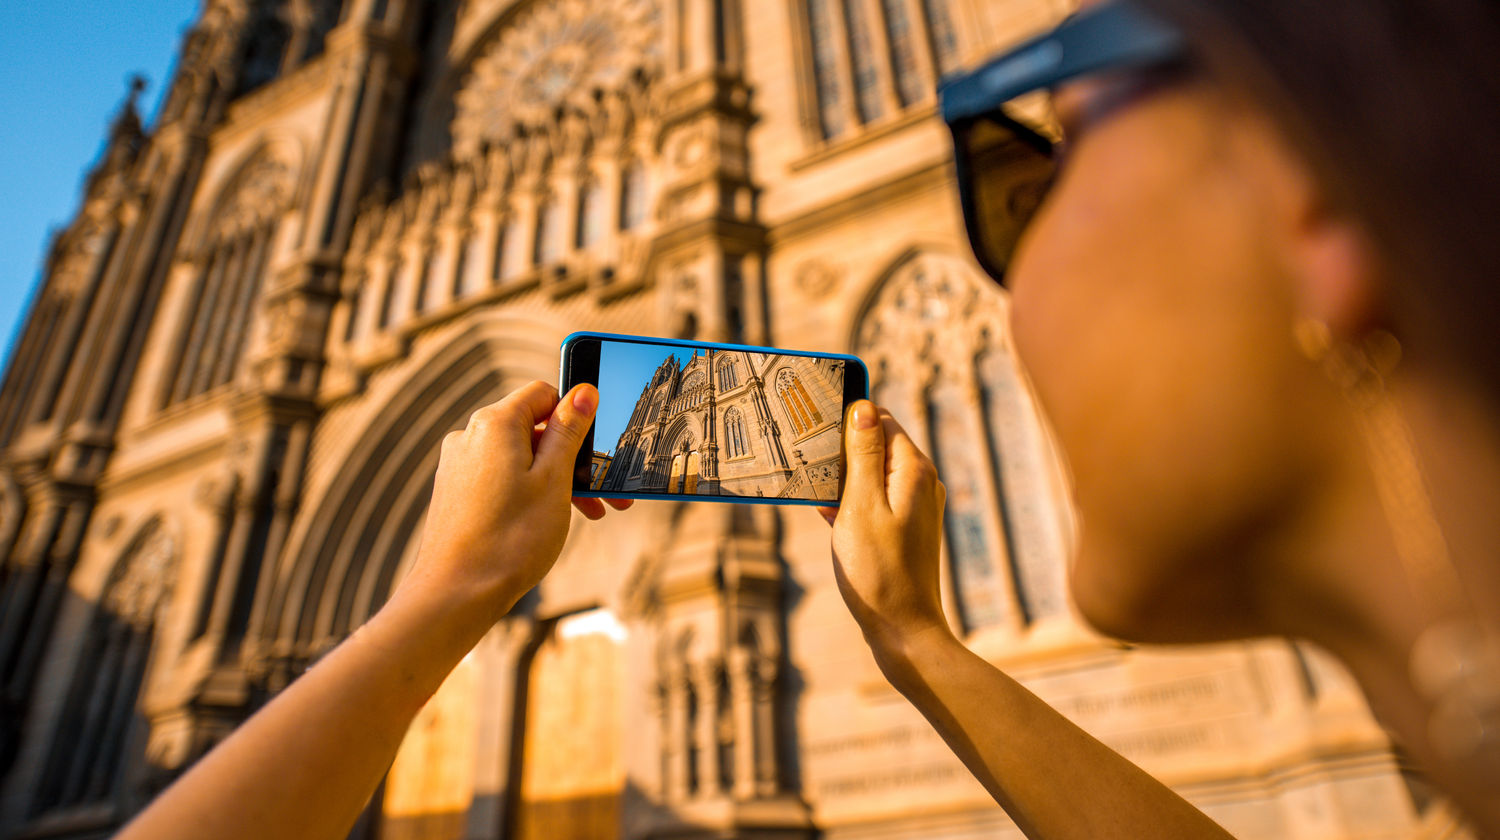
(306, 764)
(1054, 779)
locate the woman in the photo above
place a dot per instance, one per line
(1255, 306)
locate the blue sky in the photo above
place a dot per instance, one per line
(624, 369)
(64, 74)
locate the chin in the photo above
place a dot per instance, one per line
(1158, 599)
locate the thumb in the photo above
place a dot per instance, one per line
(557, 451)
(864, 454)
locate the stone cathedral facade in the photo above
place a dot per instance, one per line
(355, 221)
(730, 423)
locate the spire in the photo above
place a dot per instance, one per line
(127, 122)
(126, 136)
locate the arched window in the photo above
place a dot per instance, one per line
(549, 232)
(944, 36)
(635, 198)
(1005, 519)
(909, 85)
(728, 375)
(242, 231)
(735, 441)
(99, 717)
(862, 53)
(800, 408)
(852, 80)
(591, 214)
(825, 60)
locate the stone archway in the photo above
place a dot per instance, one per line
(346, 554)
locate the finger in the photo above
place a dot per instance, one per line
(864, 453)
(511, 421)
(904, 453)
(589, 507)
(557, 451)
(910, 468)
(829, 514)
(620, 504)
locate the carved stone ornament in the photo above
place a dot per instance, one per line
(556, 52)
(817, 279)
(260, 192)
(143, 583)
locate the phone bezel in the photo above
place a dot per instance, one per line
(578, 357)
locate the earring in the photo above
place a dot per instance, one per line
(1455, 663)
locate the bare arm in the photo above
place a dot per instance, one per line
(306, 764)
(1036, 763)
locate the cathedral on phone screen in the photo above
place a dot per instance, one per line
(679, 420)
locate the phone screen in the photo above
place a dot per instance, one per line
(715, 421)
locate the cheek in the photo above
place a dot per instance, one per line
(1155, 343)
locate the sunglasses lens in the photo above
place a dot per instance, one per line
(1004, 180)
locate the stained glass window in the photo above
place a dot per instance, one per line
(862, 52)
(968, 514)
(944, 36)
(734, 434)
(909, 85)
(825, 67)
(221, 313)
(965, 400)
(804, 415)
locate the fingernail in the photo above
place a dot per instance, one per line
(865, 416)
(583, 400)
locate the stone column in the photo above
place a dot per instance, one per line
(746, 740)
(767, 778)
(705, 676)
(676, 735)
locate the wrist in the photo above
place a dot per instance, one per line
(442, 623)
(903, 652)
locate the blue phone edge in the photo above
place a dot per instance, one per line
(682, 342)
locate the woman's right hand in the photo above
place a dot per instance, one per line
(887, 532)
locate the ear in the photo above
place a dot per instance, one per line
(1334, 267)
(1328, 258)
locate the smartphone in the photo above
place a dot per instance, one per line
(711, 422)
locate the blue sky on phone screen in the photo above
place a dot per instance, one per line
(624, 369)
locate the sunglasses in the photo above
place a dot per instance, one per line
(1004, 166)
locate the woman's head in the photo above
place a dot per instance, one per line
(1318, 162)
(1395, 107)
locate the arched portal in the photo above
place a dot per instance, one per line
(345, 556)
(690, 480)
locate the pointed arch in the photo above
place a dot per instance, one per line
(238, 235)
(272, 168)
(346, 558)
(92, 741)
(736, 442)
(966, 402)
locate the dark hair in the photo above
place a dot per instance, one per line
(1395, 106)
